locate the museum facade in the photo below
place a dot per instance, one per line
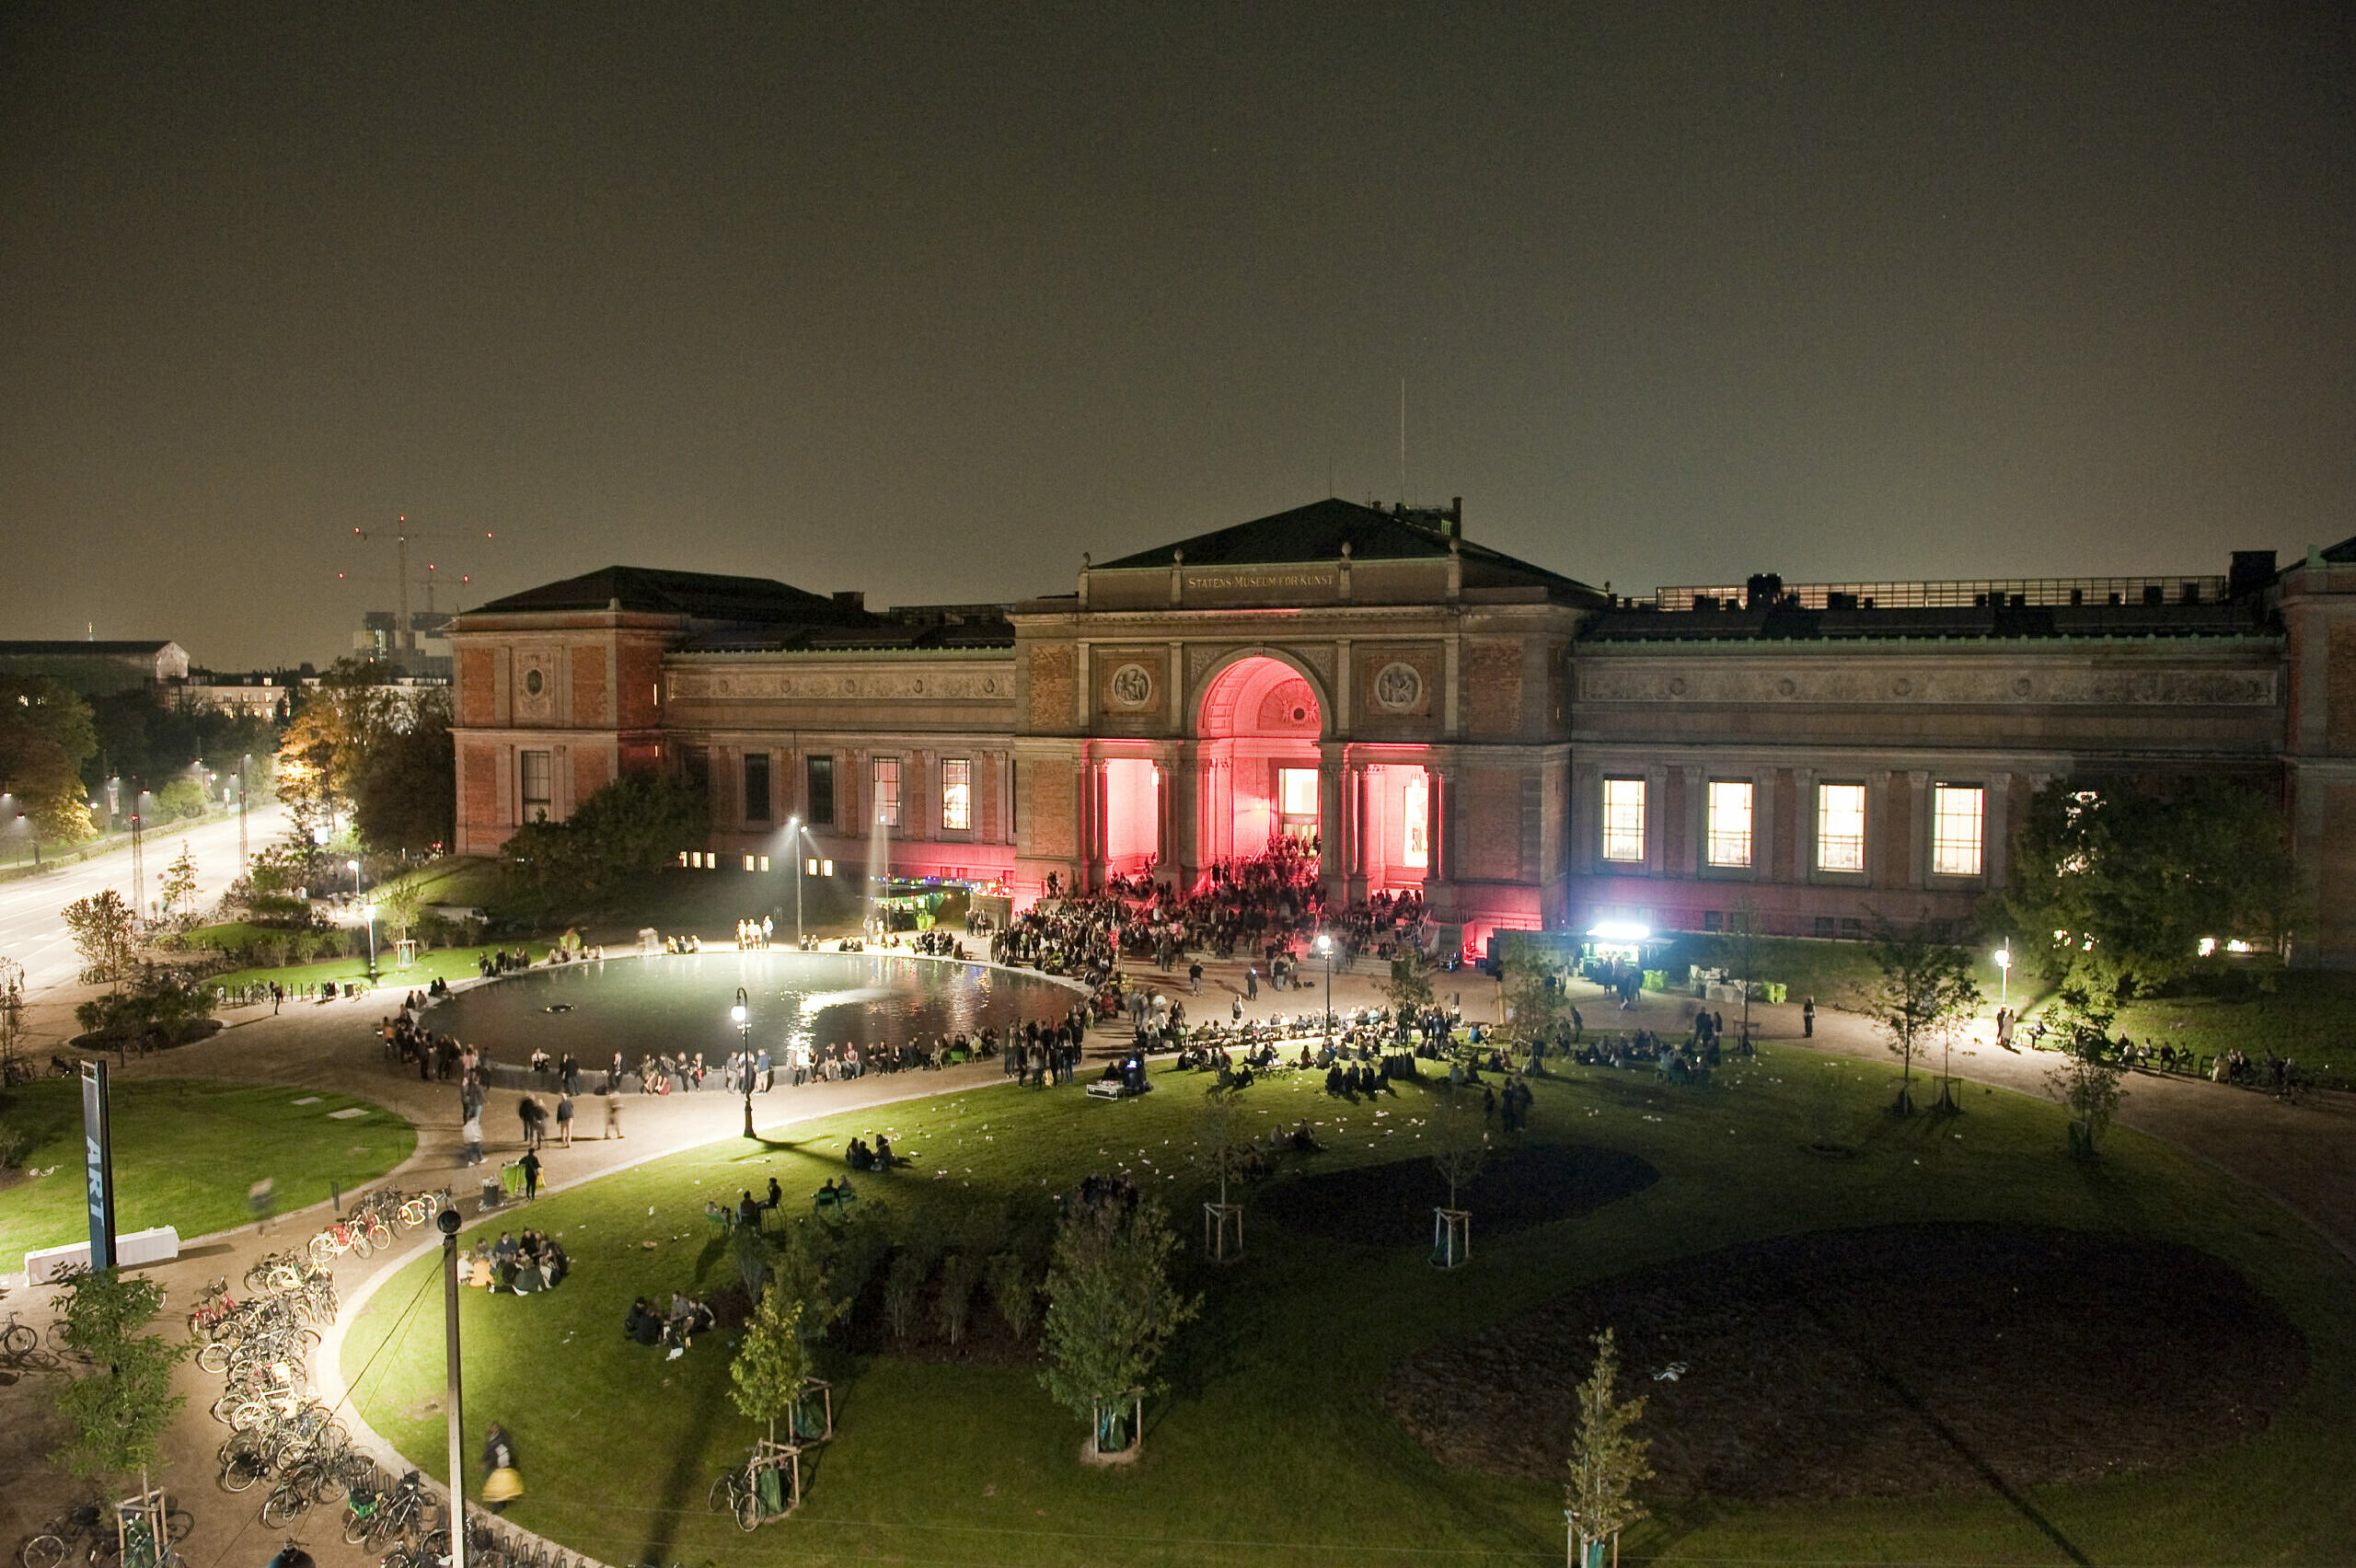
(1523, 749)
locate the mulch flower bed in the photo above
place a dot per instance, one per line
(1392, 1205)
(1897, 1361)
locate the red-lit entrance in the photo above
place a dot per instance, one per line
(1258, 760)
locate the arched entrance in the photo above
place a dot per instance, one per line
(1258, 730)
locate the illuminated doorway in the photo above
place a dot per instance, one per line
(1258, 777)
(1395, 827)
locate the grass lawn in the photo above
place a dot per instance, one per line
(2304, 1018)
(186, 1152)
(447, 964)
(1272, 1446)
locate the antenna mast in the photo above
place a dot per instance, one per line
(1403, 441)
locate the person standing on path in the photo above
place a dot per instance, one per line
(470, 1135)
(612, 1113)
(530, 1165)
(1808, 1018)
(564, 1118)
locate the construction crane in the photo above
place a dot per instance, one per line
(401, 534)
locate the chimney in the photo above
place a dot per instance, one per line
(2253, 571)
(1456, 518)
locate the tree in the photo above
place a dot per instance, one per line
(1409, 989)
(1534, 988)
(1225, 1153)
(118, 1410)
(773, 1362)
(400, 904)
(405, 795)
(2088, 1085)
(45, 737)
(101, 928)
(1922, 993)
(325, 750)
(1742, 949)
(1111, 1309)
(2126, 881)
(183, 797)
(178, 886)
(1460, 1147)
(622, 832)
(1606, 1463)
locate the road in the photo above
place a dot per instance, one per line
(31, 931)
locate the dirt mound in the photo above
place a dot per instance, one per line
(1897, 1361)
(1392, 1205)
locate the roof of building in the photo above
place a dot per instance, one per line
(1317, 533)
(75, 647)
(2342, 553)
(701, 596)
(1787, 623)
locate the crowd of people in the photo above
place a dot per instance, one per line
(518, 1266)
(676, 1328)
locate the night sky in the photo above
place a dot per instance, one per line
(927, 300)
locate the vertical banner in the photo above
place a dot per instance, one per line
(98, 1163)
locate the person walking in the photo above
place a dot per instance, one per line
(1808, 1018)
(564, 1118)
(612, 1113)
(470, 1135)
(502, 1484)
(530, 1164)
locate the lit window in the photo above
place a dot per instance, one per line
(1415, 821)
(1841, 828)
(1730, 823)
(1623, 819)
(535, 774)
(957, 794)
(1956, 811)
(1296, 791)
(887, 790)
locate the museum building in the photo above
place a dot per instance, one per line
(1525, 750)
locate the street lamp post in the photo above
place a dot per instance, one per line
(368, 911)
(447, 1223)
(355, 877)
(793, 841)
(1325, 946)
(741, 1015)
(2005, 975)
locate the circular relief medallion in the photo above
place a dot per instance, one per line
(1787, 686)
(2020, 685)
(990, 686)
(533, 682)
(1901, 686)
(1677, 686)
(1132, 685)
(1398, 687)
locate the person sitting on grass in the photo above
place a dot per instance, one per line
(859, 1156)
(643, 1325)
(884, 1157)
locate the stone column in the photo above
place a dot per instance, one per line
(1185, 793)
(1332, 825)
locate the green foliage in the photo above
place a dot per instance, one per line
(2125, 880)
(1922, 994)
(142, 733)
(772, 1360)
(622, 832)
(1111, 1307)
(405, 794)
(1606, 1462)
(750, 1253)
(182, 798)
(158, 1002)
(399, 905)
(1223, 1151)
(1534, 985)
(119, 1410)
(2088, 1086)
(45, 737)
(1014, 1289)
(177, 889)
(1409, 989)
(100, 926)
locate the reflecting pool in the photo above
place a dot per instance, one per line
(679, 1003)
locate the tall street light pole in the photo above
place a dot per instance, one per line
(243, 762)
(793, 842)
(368, 911)
(447, 1223)
(1325, 946)
(741, 1015)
